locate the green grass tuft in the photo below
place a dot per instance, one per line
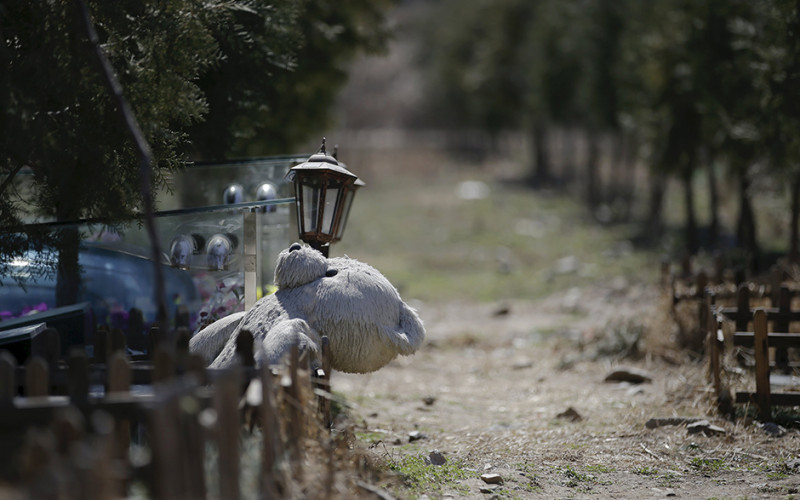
(421, 477)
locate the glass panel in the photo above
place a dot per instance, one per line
(205, 184)
(348, 202)
(310, 208)
(201, 257)
(331, 196)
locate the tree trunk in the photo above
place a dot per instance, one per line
(746, 226)
(592, 162)
(658, 185)
(568, 153)
(691, 221)
(794, 230)
(68, 276)
(628, 174)
(541, 158)
(713, 197)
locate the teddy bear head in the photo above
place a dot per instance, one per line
(299, 265)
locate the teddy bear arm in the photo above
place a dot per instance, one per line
(210, 341)
(283, 336)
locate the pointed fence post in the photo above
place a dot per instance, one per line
(47, 345)
(78, 385)
(271, 435)
(324, 383)
(164, 443)
(743, 314)
(781, 325)
(762, 365)
(712, 344)
(226, 402)
(163, 365)
(100, 344)
(37, 378)
(116, 342)
(244, 348)
(119, 381)
(196, 365)
(8, 378)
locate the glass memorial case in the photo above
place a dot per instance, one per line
(220, 230)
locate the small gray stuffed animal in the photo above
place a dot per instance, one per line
(354, 305)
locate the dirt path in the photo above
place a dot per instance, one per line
(487, 388)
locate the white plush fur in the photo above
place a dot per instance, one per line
(350, 302)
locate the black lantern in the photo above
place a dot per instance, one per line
(321, 186)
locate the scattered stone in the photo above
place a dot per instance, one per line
(397, 441)
(488, 489)
(473, 190)
(667, 492)
(570, 414)
(773, 429)
(429, 400)
(436, 458)
(502, 310)
(630, 375)
(492, 478)
(416, 436)
(662, 421)
(705, 427)
(522, 365)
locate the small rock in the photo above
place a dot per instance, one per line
(416, 436)
(436, 458)
(502, 310)
(522, 365)
(705, 427)
(488, 489)
(491, 478)
(429, 400)
(630, 375)
(662, 421)
(570, 414)
(773, 429)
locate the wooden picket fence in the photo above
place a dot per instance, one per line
(759, 313)
(68, 427)
(763, 340)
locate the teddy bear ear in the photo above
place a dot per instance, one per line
(408, 335)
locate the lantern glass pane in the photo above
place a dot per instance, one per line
(328, 218)
(348, 202)
(311, 196)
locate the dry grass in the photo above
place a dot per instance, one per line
(507, 352)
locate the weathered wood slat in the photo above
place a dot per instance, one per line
(773, 313)
(776, 398)
(761, 346)
(226, 402)
(745, 339)
(37, 380)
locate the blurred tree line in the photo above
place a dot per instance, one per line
(693, 87)
(207, 79)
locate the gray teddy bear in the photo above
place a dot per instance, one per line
(350, 302)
